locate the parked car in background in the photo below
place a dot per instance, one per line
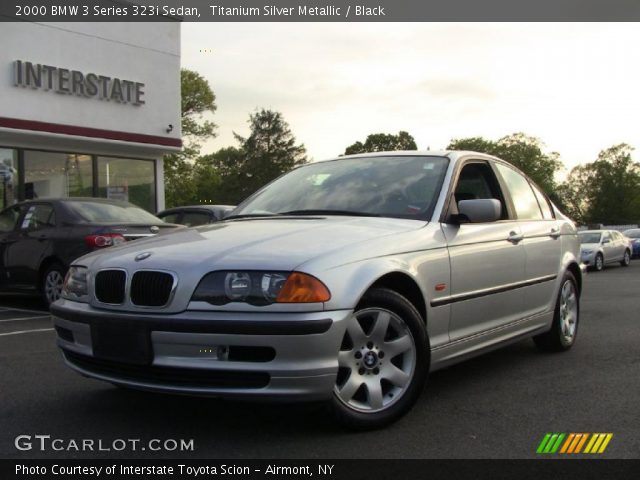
(40, 238)
(194, 215)
(346, 280)
(633, 235)
(601, 247)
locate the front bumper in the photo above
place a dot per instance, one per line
(288, 356)
(588, 258)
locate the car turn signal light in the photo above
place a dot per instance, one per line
(303, 288)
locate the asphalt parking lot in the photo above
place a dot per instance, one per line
(496, 406)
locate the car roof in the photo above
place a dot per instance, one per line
(107, 201)
(453, 155)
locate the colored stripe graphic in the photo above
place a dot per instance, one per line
(567, 443)
(573, 443)
(543, 443)
(598, 442)
(550, 443)
(581, 442)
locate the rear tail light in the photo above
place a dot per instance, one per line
(104, 240)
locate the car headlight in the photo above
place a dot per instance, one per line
(587, 252)
(260, 288)
(75, 284)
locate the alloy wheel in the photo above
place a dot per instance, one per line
(599, 262)
(568, 311)
(376, 361)
(53, 285)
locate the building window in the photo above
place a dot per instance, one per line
(8, 177)
(50, 174)
(129, 180)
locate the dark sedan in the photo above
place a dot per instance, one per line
(40, 238)
(194, 215)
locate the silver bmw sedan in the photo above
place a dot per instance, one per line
(346, 280)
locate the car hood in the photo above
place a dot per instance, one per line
(265, 243)
(589, 246)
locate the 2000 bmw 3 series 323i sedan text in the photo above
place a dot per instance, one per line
(346, 280)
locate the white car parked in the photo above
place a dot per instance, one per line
(601, 247)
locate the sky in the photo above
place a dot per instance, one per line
(574, 85)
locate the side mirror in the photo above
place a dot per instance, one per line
(605, 241)
(480, 210)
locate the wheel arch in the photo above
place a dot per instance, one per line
(574, 268)
(406, 286)
(46, 263)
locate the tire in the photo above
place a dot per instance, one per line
(598, 264)
(626, 260)
(373, 387)
(51, 282)
(564, 328)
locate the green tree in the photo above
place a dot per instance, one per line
(616, 186)
(197, 99)
(269, 151)
(383, 142)
(573, 192)
(218, 177)
(524, 152)
(610, 191)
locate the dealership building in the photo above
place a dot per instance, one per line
(88, 110)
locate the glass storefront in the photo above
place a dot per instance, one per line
(129, 180)
(56, 174)
(50, 174)
(8, 177)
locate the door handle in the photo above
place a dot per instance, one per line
(515, 237)
(555, 232)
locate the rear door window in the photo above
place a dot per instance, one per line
(38, 217)
(547, 213)
(524, 200)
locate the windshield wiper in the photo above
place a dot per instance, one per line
(346, 213)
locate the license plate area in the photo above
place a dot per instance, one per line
(122, 341)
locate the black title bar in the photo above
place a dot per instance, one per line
(319, 10)
(319, 469)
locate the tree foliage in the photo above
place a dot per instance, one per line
(523, 151)
(605, 191)
(383, 142)
(269, 151)
(197, 99)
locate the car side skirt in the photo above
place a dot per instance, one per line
(478, 344)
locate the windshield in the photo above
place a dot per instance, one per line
(400, 186)
(632, 233)
(97, 212)
(590, 237)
